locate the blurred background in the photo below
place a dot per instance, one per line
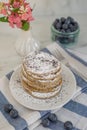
(55, 7)
(45, 12)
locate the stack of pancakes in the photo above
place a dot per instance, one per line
(41, 75)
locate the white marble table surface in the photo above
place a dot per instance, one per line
(41, 31)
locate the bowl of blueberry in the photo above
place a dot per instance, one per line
(65, 30)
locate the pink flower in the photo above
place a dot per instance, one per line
(4, 11)
(30, 18)
(16, 13)
(15, 19)
(11, 24)
(16, 4)
(19, 25)
(6, 4)
(11, 18)
(24, 16)
(18, 22)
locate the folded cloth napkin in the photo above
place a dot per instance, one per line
(81, 54)
(76, 62)
(75, 110)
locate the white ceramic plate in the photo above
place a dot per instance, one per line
(66, 93)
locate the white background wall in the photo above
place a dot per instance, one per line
(54, 7)
(41, 27)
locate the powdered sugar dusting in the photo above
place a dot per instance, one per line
(65, 94)
(45, 76)
(41, 62)
(46, 95)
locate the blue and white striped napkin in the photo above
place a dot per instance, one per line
(75, 110)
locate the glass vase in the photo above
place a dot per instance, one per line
(25, 43)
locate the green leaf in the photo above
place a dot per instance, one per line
(25, 26)
(3, 19)
(15, 10)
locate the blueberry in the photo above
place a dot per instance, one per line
(68, 125)
(68, 31)
(45, 122)
(71, 39)
(71, 19)
(59, 29)
(55, 22)
(74, 28)
(67, 21)
(76, 25)
(58, 25)
(70, 27)
(64, 26)
(61, 39)
(62, 30)
(62, 19)
(8, 108)
(14, 113)
(52, 117)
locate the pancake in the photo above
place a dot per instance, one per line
(41, 75)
